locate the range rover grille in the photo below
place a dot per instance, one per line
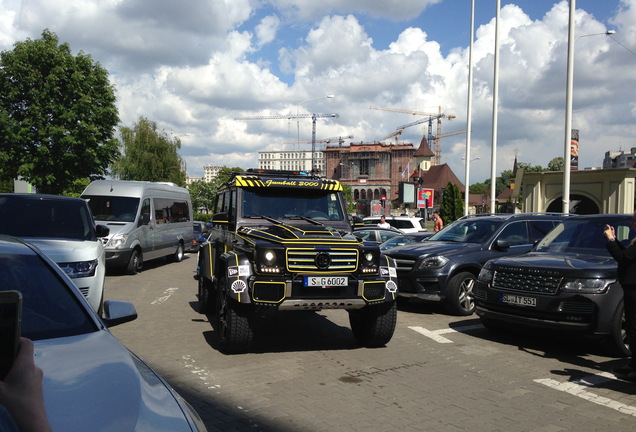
(304, 260)
(526, 282)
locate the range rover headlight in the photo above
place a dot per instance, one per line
(586, 286)
(485, 275)
(79, 269)
(434, 262)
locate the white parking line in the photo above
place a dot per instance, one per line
(580, 388)
(436, 334)
(166, 295)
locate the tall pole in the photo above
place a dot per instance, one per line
(568, 110)
(495, 104)
(469, 107)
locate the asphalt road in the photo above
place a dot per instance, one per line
(306, 373)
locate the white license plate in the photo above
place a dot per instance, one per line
(518, 300)
(326, 281)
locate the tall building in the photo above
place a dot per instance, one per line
(620, 159)
(291, 160)
(210, 172)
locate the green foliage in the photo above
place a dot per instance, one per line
(202, 194)
(57, 115)
(77, 187)
(347, 194)
(202, 217)
(149, 155)
(556, 164)
(451, 207)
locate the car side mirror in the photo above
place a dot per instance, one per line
(356, 221)
(118, 312)
(502, 245)
(102, 230)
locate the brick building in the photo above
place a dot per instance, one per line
(373, 170)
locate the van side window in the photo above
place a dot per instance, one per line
(145, 213)
(170, 211)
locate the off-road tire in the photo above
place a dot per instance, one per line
(233, 322)
(460, 299)
(206, 296)
(373, 326)
(135, 263)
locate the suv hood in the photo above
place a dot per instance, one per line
(565, 263)
(432, 248)
(280, 233)
(62, 251)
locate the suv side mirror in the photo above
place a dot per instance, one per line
(356, 221)
(102, 230)
(220, 218)
(502, 244)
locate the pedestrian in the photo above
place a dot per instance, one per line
(439, 223)
(383, 223)
(21, 394)
(626, 258)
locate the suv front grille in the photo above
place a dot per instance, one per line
(404, 264)
(304, 260)
(527, 283)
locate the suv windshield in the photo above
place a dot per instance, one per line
(282, 204)
(584, 236)
(468, 231)
(111, 208)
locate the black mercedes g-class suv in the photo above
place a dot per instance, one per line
(282, 241)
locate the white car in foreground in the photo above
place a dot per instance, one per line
(91, 381)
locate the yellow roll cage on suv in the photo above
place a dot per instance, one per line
(282, 241)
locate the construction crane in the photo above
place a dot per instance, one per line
(339, 140)
(436, 144)
(394, 134)
(436, 148)
(313, 118)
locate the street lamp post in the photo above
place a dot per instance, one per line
(568, 104)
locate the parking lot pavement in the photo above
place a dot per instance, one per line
(306, 373)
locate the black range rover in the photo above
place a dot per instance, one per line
(568, 282)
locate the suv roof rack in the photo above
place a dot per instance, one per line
(509, 215)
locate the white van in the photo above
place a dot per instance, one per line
(146, 220)
(63, 228)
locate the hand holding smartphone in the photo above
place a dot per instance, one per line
(10, 329)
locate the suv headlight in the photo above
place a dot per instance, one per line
(79, 269)
(269, 261)
(434, 262)
(586, 286)
(485, 275)
(117, 240)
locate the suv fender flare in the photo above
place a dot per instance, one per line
(237, 269)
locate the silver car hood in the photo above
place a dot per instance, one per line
(92, 382)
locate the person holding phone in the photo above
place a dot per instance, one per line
(21, 395)
(626, 258)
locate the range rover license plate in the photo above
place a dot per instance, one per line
(326, 281)
(518, 300)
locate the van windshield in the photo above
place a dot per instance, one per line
(113, 208)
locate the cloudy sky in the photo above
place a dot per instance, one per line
(195, 66)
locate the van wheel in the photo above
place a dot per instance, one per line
(135, 263)
(233, 322)
(460, 299)
(178, 255)
(617, 343)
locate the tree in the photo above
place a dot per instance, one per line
(347, 194)
(202, 194)
(57, 115)
(556, 164)
(451, 207)
(149, 155)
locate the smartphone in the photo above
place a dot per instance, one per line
(10, 327)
